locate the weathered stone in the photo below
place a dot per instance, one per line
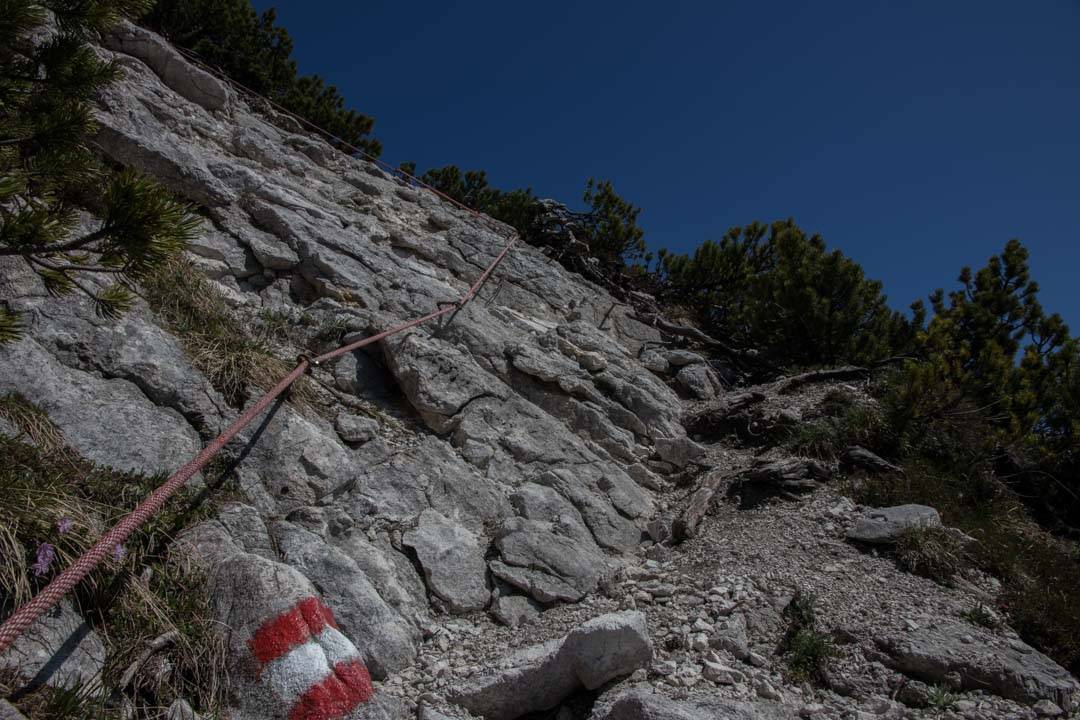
(514, 610)
(549, 566)
(59, 650)
(110, 422)
(388, 641)
(356, 429)
(453, 561)
(539, 677)
(646, 704)
(699, 381)
(189, 81)
(681, 358)
(680, 451)
(861, 457)
(886, 525)
(1010, 669)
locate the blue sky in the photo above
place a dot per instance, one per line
(917, 137)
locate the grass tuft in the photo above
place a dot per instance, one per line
(235, 356)
(50, 496)
(806, 649)
(844, 423)
(931, 552)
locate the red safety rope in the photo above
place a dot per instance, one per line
(25, 616)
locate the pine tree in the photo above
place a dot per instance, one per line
(47, 170)
(776, 289)
(253, 50)
(612, 232)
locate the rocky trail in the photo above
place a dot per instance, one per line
(502, 515)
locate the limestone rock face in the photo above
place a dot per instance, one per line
(531, 442)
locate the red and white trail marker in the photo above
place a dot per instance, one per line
(315, 669)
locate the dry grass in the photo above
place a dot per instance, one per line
(50, 495)
(932, 552)
(1040, 573)
(235, 356)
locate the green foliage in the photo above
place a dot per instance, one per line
(46, 165)
(941, 698)
(256, 52)
(996, 382)
(827, 437)
(807, 650)
(611, 229)
(778, 290)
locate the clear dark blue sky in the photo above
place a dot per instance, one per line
(917, 137)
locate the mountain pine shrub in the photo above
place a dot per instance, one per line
(48, 76)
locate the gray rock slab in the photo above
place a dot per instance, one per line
(110, 422)
(549, 566)
(539, 677)
(700, 382)
(514, 610)
(882, 526)
(453, 561)
(196, 85)
(388, 641)
(1010, 669)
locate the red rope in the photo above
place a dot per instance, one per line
(25, 616)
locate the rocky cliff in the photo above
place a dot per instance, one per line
(512, 477)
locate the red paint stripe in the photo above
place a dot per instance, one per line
(293, 627)
(336, 695)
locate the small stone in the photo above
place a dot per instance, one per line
(356, 429)
(664, 668)
(765, 690)
(813, 710)
(756, 660)
(1045, 708)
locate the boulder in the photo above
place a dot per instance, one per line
(1008, 668)
(884, 526)
(680, 451)
(549, 566)
(700, 382)
(514, 610)
(356, 429)
(682, 358)
(539, 677)
(453, 561)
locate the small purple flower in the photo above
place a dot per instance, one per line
(64, 525)
(119, 552)
(46, 554)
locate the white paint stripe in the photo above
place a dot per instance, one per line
(290, 675)
(338, 647)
